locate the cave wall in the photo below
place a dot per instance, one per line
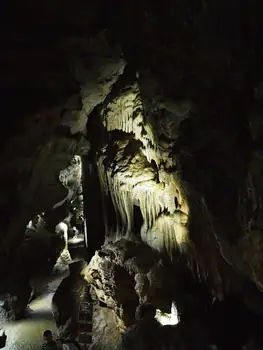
(199, 77)
(195, 77)
(51, 129)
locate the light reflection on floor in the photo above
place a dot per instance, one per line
(27, 334)
(76, 240)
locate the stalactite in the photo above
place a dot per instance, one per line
(121, 198)
(124, 203)
(119, 113)
(132, 179)
(167, 233)
(149, 204)
(102, 174)
(126, 113)
(165, 220)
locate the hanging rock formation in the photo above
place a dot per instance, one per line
(162, 102)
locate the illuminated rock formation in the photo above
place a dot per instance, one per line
(162, 104)
(134, 170)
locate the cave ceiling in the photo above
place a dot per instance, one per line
(167, 98)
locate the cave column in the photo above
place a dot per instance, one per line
(93, 209)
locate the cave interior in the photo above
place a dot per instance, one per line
(119, 119)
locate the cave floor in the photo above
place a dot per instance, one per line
(26, 334)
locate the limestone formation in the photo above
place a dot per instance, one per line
(142, 121)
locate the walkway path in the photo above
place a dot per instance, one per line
(26, 334)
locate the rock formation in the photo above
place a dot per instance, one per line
(159, 105)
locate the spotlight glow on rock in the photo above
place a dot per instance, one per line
(168, 319)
